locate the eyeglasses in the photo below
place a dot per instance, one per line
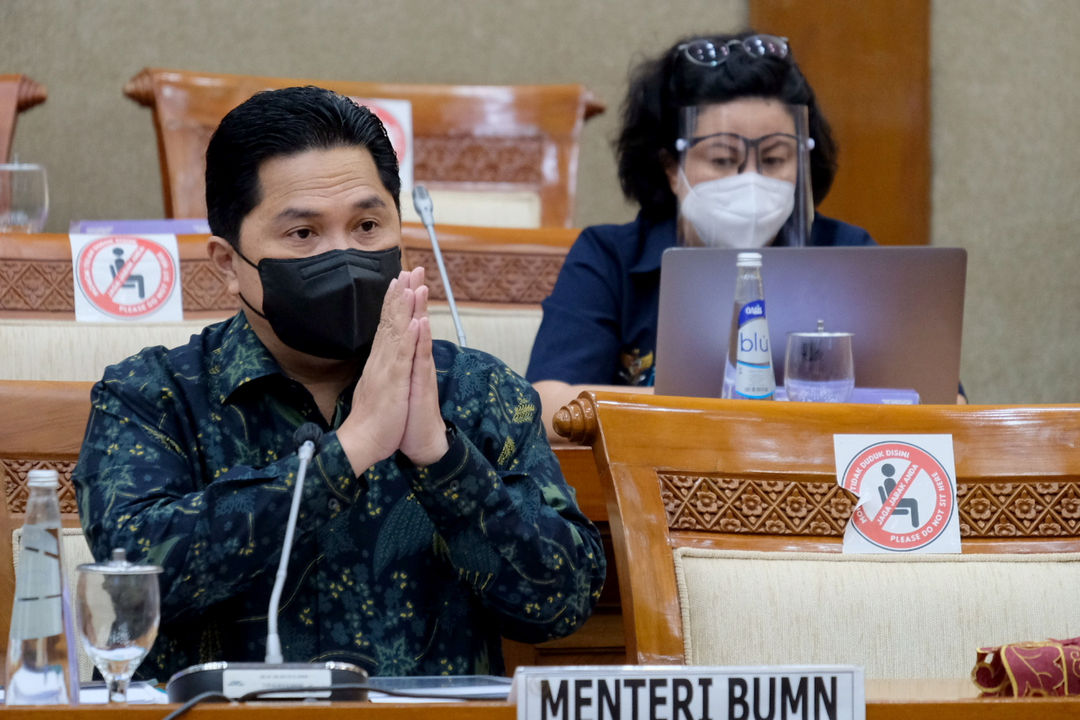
(723, 154)
(707, 53)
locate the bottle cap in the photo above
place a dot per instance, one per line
(748, 259)
(43, 478)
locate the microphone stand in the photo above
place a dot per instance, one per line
(306, 436)
(425, 209)
(233, 680)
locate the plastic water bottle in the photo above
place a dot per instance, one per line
(41, 664)
(748, 372)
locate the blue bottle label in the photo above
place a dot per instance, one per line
(754, 378)
(751, 311)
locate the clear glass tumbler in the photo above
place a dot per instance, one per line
(24, 197)
(118, 609)
(818, 366)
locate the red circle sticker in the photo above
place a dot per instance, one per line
(394, 130)
(126, 276)
(906, 496)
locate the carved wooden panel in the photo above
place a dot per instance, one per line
(16, 490)
(490, 277)
(513, 277)
(456, 159)
(204, 287)
(467, 159)
(739, 505)
(47, 286)
(1026, 509)
(799, 507)
(42, 285)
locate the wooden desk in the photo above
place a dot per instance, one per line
(277, 711)
(885, 700)
(957, 700)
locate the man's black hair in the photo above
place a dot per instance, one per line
(280, 123)
(660, 87)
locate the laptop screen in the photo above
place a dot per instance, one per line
(905, 306)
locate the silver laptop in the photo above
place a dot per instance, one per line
(904, 304)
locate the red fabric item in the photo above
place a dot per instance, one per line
(1029, 669)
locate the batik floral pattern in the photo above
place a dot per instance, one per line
(188, 462)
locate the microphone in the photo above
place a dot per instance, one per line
(233, 680)
(309, 432)
(424, 208)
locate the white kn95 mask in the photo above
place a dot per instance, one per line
(741, 211)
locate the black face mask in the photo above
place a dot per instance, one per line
(327, 305)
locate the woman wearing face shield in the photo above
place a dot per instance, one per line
(722, 144)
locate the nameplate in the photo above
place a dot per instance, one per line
(238, 682)
(678, 692)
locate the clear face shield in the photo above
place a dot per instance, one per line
(743, 179)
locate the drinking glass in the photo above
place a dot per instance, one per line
(118, 611)
(24, 197)
(818, 366)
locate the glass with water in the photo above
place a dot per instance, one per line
(818, 366)
(24, 197)
(118, 612)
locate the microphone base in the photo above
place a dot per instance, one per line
(235, 679)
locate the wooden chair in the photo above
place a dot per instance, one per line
(501, 140)
(753, 483)
(36, 281)
(17, 93)
(500, 277)
(497, 267)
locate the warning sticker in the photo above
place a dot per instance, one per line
(907, 492)
(126, 277)
(396, 117)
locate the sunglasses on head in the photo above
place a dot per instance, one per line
(710, 54)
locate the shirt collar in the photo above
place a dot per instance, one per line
(240, 359)
(655, 238)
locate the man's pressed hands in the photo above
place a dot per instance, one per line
(396, 403)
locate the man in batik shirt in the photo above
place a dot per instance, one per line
(434, 518)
